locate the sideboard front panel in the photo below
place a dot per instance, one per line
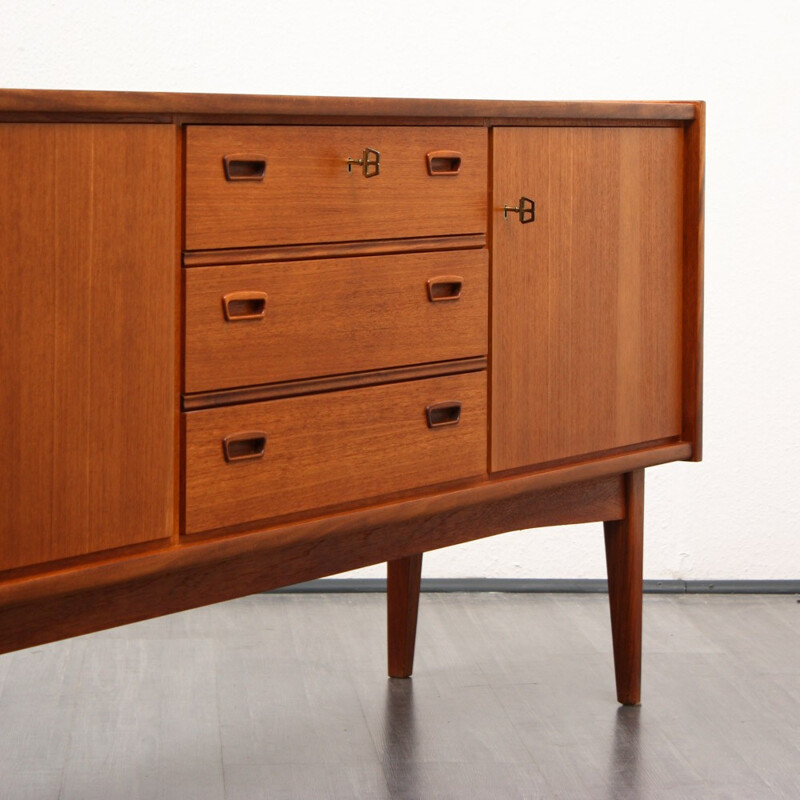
(261, 323)
(251, 186)
(88, 405)
(263, 460)
(587, 314)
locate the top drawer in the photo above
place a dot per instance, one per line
(250, 186)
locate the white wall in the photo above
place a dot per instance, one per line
(736, 514)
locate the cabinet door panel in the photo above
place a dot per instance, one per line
(88, 415)
(586, 330)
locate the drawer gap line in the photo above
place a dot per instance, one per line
(332, 383)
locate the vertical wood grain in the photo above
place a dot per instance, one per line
(624, 551)
(693, 234)
(586, 323)
(87, 338)
(403, 577)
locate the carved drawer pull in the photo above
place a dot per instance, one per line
(441, 415)
(443, 162)
(245, 166)
(244, 446)
(445, 287)
(239, 306)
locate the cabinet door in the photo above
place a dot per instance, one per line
(586, 324)
(88, 396)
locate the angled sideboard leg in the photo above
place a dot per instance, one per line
(402, 602)
(624, 563)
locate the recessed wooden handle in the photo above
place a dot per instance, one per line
(443, 162)
(244, 446)
(445, 287)
(245, 166)
(239, 306)
(440, 415)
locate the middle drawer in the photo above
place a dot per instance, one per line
(283, 321)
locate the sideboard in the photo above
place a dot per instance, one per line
(249, 341)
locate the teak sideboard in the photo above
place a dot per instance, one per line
(250, 341)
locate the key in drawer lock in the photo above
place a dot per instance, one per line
(370, 163)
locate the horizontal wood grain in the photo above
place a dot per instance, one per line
(27, 585)
(77, 602)
(88, 403)
(587, 317)
(330, 317)
(205, 105)
(254, 255)
(308, 194)
(331, 383)
(325, 450)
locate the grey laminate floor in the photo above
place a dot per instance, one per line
(284, 696)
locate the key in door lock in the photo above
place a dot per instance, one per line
(526, 209)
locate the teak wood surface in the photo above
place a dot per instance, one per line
(403, 577)
(624, 553)
(87, 349)
(321, 458)
(177, 107)
(302, 252)
(74, 602)
(587, 299)
(333, 317)
(308, 195)
(693, 238)
(325, 450)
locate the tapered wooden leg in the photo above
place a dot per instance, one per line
(402, 596)
(624, 539)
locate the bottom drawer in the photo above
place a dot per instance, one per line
(263, 460)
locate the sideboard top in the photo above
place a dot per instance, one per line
(168, 107)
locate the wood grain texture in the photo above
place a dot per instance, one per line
(308, 195)
(326, 450)
(334, 383)
(208, 106)
(693, 237)
(332, 316)
(88, 403)
(257, 255)
(103, 568)
(586, 330)
(402, 606)
(624, 553)
(72, 603)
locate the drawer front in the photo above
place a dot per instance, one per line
(252, 186)
(263, 323)
(265, 460)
